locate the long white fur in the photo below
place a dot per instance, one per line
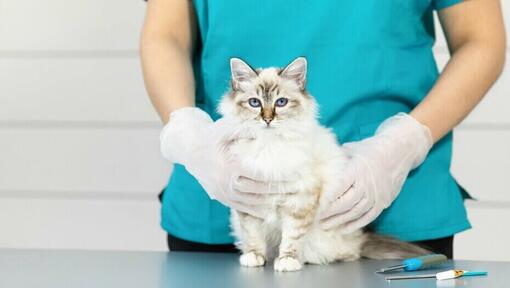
(298, 148)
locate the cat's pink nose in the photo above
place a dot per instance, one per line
(268, 120)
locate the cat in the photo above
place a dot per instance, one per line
(275, 131)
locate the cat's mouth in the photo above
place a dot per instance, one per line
(273, 124)
(267, 125)
(264, 124)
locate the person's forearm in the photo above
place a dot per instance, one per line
(475, 34)
(168, 75)
(166, 49)
(470, 72)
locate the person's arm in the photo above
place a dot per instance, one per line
(189, 136)
(476, 38)
(166, 48)
(380, 164)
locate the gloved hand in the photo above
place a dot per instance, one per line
(376, 172)
(192, 139)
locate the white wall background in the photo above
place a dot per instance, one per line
(79, 157)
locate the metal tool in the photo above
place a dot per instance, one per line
(418, 263)
(450, 274)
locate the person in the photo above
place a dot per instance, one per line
(370, 62)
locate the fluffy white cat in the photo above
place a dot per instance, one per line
(276, 133)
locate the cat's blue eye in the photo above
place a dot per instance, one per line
(280, 102)
(254, 102)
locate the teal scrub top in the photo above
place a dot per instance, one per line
(367, 61)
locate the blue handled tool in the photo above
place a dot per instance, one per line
(418, 263)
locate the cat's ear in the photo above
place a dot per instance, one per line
(241, 72)
(296, 70)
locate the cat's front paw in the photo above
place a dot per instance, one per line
(252, 259)
(287, 264)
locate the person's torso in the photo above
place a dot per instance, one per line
(367, 60)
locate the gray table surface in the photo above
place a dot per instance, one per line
(99, 269)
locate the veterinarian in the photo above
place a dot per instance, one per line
(372, 70)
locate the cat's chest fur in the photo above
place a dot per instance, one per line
(275, 155)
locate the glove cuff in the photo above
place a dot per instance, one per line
(185, 130)
(411, 133)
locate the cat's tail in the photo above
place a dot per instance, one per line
(382, 247)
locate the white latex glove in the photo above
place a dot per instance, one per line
(192, 139)
(376, 172)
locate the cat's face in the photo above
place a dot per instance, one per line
(270, 97)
